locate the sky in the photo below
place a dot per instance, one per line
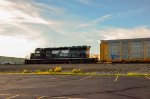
(29, 24)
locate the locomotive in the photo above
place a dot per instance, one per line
(56, 55)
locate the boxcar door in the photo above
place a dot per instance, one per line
(137, 50)
(114, 51)
(125, 51)
(104, 52)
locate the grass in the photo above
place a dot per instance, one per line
(72, 73)
(58, 71)
(76, 71)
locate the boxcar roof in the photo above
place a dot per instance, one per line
(127, 40)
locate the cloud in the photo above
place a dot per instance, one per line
(17, 14)
(101, 19)
(96, 21)
(124, 33)
(23, 26)
(26, 11)
(14, 46)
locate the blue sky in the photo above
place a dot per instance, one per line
(28, 24)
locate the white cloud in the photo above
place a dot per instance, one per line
(23, 12)
(96, 21)
(124, 33)
(23, 27)
(101, 19)
(17, 47)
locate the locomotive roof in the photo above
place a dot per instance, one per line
(64, 48)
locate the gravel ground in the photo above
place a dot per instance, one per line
(98, 68)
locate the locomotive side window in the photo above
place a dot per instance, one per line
(37, 51)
